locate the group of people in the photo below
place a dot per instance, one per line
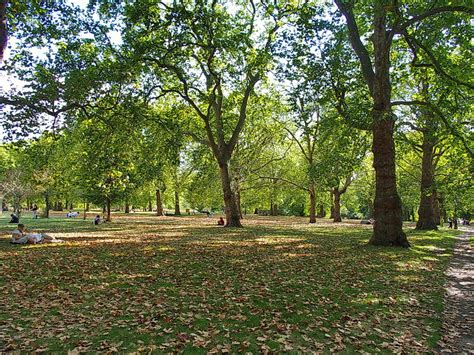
(453, 222)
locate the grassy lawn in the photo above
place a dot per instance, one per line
(166, 284)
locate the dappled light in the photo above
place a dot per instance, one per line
(175, 285)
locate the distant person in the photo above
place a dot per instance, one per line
(220, 222)
(22, 236)
(450, 221)
(97, 220)
(72, 214)
(14, 218)
(35, 211)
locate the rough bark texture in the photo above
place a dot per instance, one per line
(426, 211)
(387, 205)
(388, 227)
(337, 206)
(231, 210)
(177, 209)
(312, 203)
(159, 203)
(388, 209)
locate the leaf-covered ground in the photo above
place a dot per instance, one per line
(184, 284)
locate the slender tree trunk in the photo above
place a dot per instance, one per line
(177, 210)
(237, 196)
(426, 212)
(150, 206)
(312, 203)
(272, 208)
(108, 219)
(332, 205)
(159, 203)
(437, 211)
(337, 206)
(127, 206)
(87, 207)
(231, 210)
(85, 210)
(47, 206)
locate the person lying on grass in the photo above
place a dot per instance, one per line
(22, 236)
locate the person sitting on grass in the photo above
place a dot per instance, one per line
(97, 220)
(220, 222)
(22, 236)
(14, 218)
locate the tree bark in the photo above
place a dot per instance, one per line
(47, 206)
(177, 210)
(388, 224)
(332, 205)
(159, 203)
(436, 208)
(127, 206)
(337, 206)
(108, 219)
(426, 211)
(312, 203)
(237, 195)
(387, 205)
(231, 210)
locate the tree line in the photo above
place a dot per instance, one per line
(270, 98)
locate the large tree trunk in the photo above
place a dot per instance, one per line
(231, 210)
(388, 208)
(108, 219)
(388, 225)
(337, 206)
(177, 210)
(312, 203)
(159, 203)
(426, 212)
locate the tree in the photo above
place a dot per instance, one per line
(211, 57)
(389, 20)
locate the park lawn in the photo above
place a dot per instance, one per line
(183, 284)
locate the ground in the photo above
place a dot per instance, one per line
(458, 311)
(165, 284)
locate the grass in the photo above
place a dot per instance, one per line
(184, 284)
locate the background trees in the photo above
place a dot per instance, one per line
(152, 103)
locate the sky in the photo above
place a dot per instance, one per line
(5, 82)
